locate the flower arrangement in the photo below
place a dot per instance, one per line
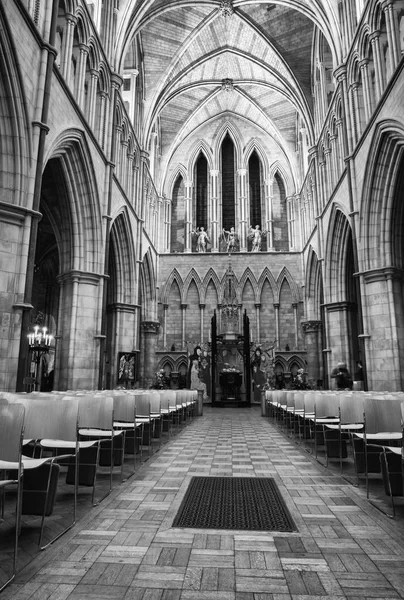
(162, 381)
(299, 381)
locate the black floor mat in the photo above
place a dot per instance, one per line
(244, 503)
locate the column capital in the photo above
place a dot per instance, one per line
(241, 171)
(214, 172)
(340, 73)
(150, 326)
(375, 35)
(311, 326)
(184, 306)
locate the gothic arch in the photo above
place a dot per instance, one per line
(81, 233)
(339, 234)
(278, 168)
(123, 275)
(266, 275)
(174, 276)
(180, 171)
(285, 275)
(228, 128)
(211, 276)
(148, 276)
(248, 275)
(313, 285)
(377, 206)
(256, 145)
(192, 276)
(15, 129)
(199, 146)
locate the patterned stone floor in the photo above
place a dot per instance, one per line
(126, 548)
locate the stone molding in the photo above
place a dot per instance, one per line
(81, 277)
(150, 326)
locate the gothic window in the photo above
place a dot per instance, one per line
(177, 216)
(228, 184)
(254, 178)
(280, 221)
(201, 192)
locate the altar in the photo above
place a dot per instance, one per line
(230, 335)
(230, 387)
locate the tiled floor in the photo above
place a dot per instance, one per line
(125, 548)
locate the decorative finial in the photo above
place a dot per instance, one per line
(226, 8)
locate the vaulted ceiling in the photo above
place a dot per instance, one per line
(264, 49)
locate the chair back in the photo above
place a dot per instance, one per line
(96, 411)
(351, 407)
(124, 406)
(326, 404)
(143, 405)
(155, 403)
(382, 414)
(309, 401)
(11, 431)
(299, 400)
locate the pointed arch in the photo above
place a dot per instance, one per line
(179, 171)
(15, 128)
(191, 277)
(266, 275)
(278, 168)
(248, 276)
(313, 285)
(379, 216)
(255, 145)
(122, 275)
(285, 275)
(211, 276)
(173, 277)
(228, 128)
(81, 232)
(199, 147)
(339, 235)
(149, 283)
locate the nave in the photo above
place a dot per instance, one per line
(125, 548)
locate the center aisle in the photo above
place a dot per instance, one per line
(126, 548)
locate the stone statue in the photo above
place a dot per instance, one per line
(230, 238)
(255, 236)
(202, 240)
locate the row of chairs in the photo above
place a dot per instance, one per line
(85, 435)
(365, 426)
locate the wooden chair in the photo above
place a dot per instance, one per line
(11, 467)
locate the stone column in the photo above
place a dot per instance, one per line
(380, 76)
(183, 323)
(276, 308)
(202, 309)
(348, 127)
(242, 216)
(312, 331)
(92, 98)
(367, 99)
(295, 305)
(356, 115)
(150, 331)
(132, 107)
(66, 59)
(81, 75)
(188, 216)
(257, 320)
(214, 199)
(268, 214)
(165, 309)
(394, 46)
